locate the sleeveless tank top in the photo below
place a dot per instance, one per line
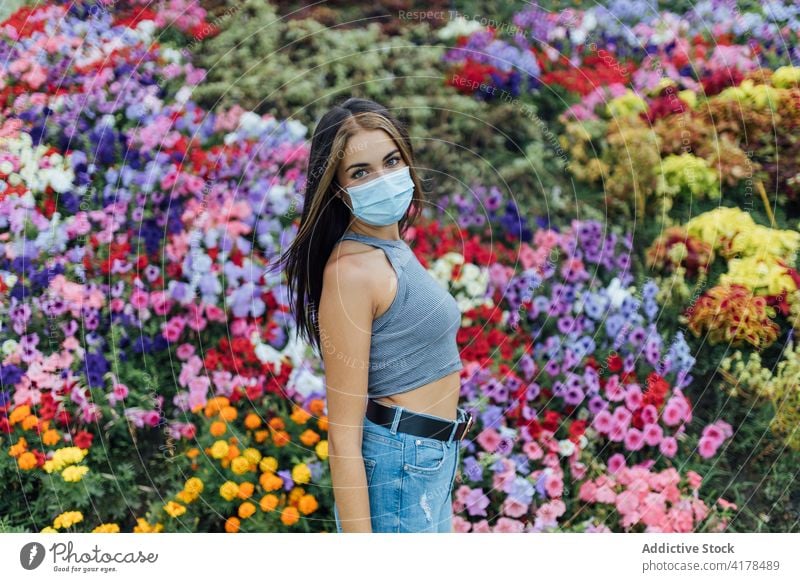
(414, 340)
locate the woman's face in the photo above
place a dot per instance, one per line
(368, 155)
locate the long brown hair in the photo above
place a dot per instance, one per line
(325, 217)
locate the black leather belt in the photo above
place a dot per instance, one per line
(413, 423)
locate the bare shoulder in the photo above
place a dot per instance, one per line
(352, 264)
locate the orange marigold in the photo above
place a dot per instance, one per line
(281, 438)
(29, 422)
(27, 461)
(309, 437)
(299, 415)
(290, 516)
(19, 448)
(252, 421)
(316, 406)
(246, 490)
(232, 524)
(261, 435)
(246, 509)
(276, 423)
(322, 423)
(268, 503)
(19, 414)
(51, 437)
(218, 428)
(228, 413)
(307, 504)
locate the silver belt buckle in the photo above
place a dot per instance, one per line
(467, 428)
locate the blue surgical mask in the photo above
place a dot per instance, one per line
(383, 201)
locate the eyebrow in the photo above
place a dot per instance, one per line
(365, 165)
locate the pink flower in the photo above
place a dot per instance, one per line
(653, 434)
(587, 491)
(634, 440)
(461, 525)
(184, 351)
(481, 527)
(138, 299)
(627, 502)
(724, 504)
(603, 421)
(614, 391)
(514, 508)
(616, 462)
(707, 447)
(633, 397)
(694, 479)
(533, 450)
(672, 413)
(623, 416)
(489, 439)
(553, 485)
(617, 433)
(668, 446)
(649, 414)
(605, 494)
(506, 525)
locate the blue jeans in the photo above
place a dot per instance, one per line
(409, 478)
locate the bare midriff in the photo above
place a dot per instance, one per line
(437, 398)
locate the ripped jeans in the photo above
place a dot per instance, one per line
(409, 479)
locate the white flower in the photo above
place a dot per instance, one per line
(459, 26)
(616, 293)
(566, 447)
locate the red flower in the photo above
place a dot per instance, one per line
(83, 439)
(614, 363)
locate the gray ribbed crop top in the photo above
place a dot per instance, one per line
(414, 341)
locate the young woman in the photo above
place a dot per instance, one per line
(386, 330)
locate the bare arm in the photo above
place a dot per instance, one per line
(345, 321)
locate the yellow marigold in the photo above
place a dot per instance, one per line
(27, 461)
(290, 516)
(143, 526)
(228, 414)
(106, 528)
(316, 406)
(229, 490)
(309, 437)
(220, 449)
(246, 509)
(17, 449)
(232, 524)
(185, 496)
(240, 465)
(29, 422)
(270, 481)
(63, 457)
(194, 485)
(281, 438)
(67, 519)
(74, 473)
(261, 435)
(246, 490)
(269, 502)
(252, 421)
(215, 405)
(51, 437)
(252, 455)
(276, 423)
(299, 415)
(19, 414)
(174, 509)
(268, 464)
(218, 428)
(301, 473)
(307, 504)
(322, 423)
(48, 529)
(322, 449)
